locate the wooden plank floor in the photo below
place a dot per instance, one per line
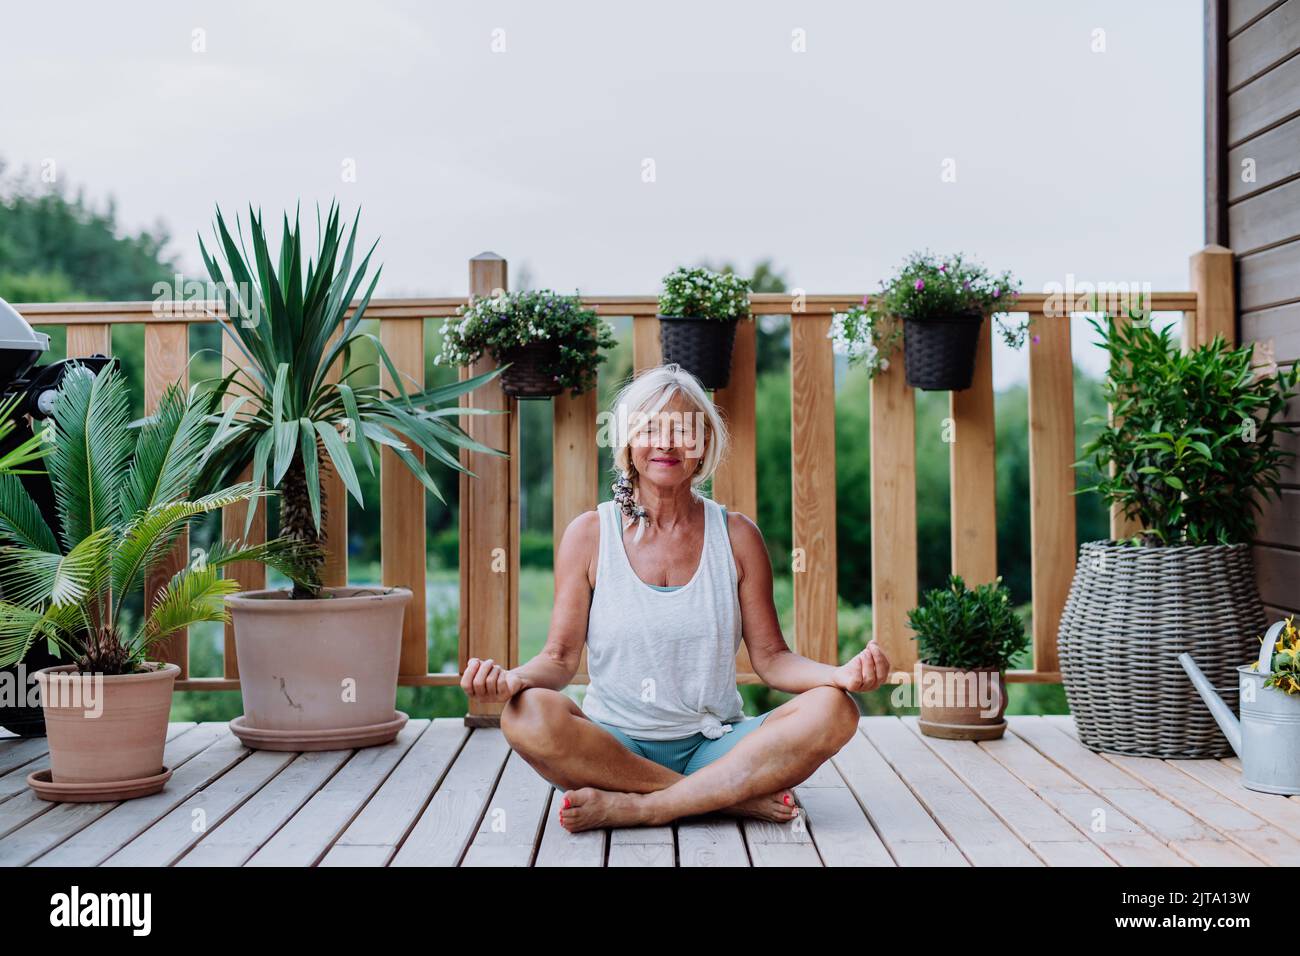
(444, 795)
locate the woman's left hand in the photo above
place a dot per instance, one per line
(867, 671)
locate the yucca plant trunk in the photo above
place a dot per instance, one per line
(295, 516)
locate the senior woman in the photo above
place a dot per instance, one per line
(662, 585)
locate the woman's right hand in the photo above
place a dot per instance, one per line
(488, 682)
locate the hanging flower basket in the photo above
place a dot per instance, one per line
(698, 312)
(942, 304)
(940, 352)
(701, 346)
(532, 370)
(551, 341)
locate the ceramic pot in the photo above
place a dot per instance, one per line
(961, 704)
(318, 674)
(104, 729)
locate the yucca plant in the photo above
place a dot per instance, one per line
(124, 498)
(290, 322)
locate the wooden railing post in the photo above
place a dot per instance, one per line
(87, 340)
(1052, 528)
(575, 478)
(812, 454)
(973, 466)
(893, 515)
(735, 484)
(402, 544)
(1122, 526)
(166, 360)
(251, 575)
(334, 523)
(489, 516)
(1216, 300)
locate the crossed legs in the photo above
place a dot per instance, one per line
(607, 785)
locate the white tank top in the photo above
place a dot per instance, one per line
(663, 663)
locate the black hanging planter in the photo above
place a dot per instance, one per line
(532, 370)
(701, 346)
(940, 353)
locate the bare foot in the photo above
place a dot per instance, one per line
(588, 808)
(777, 807)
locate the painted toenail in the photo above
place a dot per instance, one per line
(786, 799)
(566, 803)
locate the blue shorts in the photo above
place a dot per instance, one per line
(685, 755)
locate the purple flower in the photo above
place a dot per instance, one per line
(920, 284)
(866, 300)
(996, 292)
(1036, 340)
(966, 285)
(944, 267)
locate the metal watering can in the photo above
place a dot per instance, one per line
(1267, 738)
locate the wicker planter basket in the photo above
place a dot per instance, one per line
(531, 373)
(940, 353)
(701, 346)
(1131, 611)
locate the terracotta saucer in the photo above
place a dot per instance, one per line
(98, 792)
(298, 741)
(934, 728)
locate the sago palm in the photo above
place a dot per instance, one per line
(17, 459)
(291, 323)
(123, 497)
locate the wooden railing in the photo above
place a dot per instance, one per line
(489, 503)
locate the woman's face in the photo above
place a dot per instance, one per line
(668, 449)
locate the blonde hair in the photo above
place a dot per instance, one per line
(646, 395)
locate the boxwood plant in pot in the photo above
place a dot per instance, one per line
(123, 501)
(550, 342)
(966, 639)
(942, 303)
(1188, 455)
(698, 312)
(318, 666)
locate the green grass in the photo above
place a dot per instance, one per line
(536, 598)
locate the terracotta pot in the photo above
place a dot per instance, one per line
(315, 668)
(965, 698)
(105, 729)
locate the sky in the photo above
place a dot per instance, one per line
(597, 146)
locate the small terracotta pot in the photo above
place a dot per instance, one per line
(105, 729)
(966, 698)
(311, 667)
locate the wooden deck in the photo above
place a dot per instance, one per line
(445, 795)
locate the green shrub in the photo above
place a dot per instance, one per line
(1190, 450)
(959, 627)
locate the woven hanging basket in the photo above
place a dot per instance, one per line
(940, 353)
(1131, 611)
(532, 370)
(701, 346)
